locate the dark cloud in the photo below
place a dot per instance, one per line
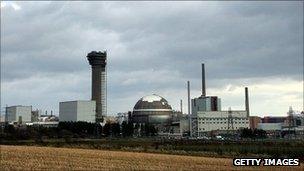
(152, 46)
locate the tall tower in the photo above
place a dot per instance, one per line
(203, 81)
(246, 101)
(98, 62)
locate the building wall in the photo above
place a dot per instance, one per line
(218, 120)
(270, 126)
(10, 114)
(86, 111)
(210, 103)
(273, 119)
(77, 111)
(17, 113)
(254, 121)
(68, 111)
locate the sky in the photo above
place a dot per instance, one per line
(154, 47)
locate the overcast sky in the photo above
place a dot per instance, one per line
(154, 47)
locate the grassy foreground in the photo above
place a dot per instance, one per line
(51, 158)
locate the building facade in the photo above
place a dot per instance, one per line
(20, 114)
(81, 110)
(221, 121)
(207, 103)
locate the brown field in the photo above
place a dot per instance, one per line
(50, 158)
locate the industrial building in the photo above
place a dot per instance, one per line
(221, 121)
(19, 113)
(206, 114)
(80, 110)
(210, 103)
(98, 61)
(205, 103)
(290, 126)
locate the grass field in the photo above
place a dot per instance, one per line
(50, 158)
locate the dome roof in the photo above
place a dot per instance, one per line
(152, 102)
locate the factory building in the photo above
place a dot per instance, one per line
(180, 124)
(273, 119)
(81, 110)
(210, 103)
(20, 114)
(99, 85)
(205, 103)
(206, 114)
(221, 121)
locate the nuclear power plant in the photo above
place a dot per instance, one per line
(96, 109)
(204, 116)
(207, 115)
(98, 61)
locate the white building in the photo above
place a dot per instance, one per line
(218, 120)
(270, 126)
(21, 114)
(80, 110)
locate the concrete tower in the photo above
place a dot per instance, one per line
(98, 62)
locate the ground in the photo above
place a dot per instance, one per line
(51, 158)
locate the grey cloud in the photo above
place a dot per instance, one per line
(152, 40)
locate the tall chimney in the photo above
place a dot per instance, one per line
(181, 106)
(203, 81)
(246, 101)
(189, 112)
(188, 87)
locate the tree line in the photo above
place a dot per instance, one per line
(76, 130)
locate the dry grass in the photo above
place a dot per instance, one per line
(50, 158)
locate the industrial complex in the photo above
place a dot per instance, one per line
(205, 115)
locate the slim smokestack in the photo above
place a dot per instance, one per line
(247, 101)
(181, 106)
(190, 119)
(188, 87)
(203, 80)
